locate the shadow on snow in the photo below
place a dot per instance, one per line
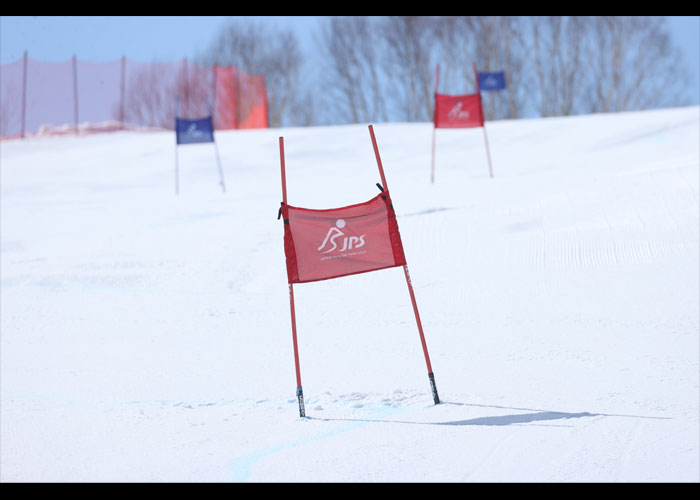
(500, 420)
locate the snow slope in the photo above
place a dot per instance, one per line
(146, 336)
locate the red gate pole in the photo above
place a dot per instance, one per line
(483, 124)
(488, 154)
(431, 377)
(379, 160)
(122, 91)
(300, 393)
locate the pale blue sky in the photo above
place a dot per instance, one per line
(107, 38)
(170, 38)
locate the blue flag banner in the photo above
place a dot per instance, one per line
(492, 81)
(194, 131)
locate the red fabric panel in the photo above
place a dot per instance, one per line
(241, 100)
(226, 115)
(252, 101)
(458, 111)
(324, 244)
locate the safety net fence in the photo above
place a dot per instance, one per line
(80, 96)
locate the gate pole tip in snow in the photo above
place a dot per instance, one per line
(433, 388)
(300, 398)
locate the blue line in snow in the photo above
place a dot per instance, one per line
(243, 466)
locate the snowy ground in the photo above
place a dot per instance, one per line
(146, 336)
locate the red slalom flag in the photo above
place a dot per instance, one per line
(321, 244)
(324, 244)
(458, 111)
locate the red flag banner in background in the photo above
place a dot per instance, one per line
(324, 244)
(458, 111)
(241, 100)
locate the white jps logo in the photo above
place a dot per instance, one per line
(456, 112)
(193, 131)
(348, 242)
(490, 81)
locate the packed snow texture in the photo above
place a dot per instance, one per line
(146, 336)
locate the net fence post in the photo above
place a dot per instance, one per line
(24, 93)
(75, 92)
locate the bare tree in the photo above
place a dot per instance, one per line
(487, 33)
(636, 67)
(383, 67)
(150, 100)
(561, 61)
(513, 58)
(411, 53)
(378, 68)
(604, 64)
(153, 90)
(256, 49)
(500, 46)
(350, 47)
(455, 38)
